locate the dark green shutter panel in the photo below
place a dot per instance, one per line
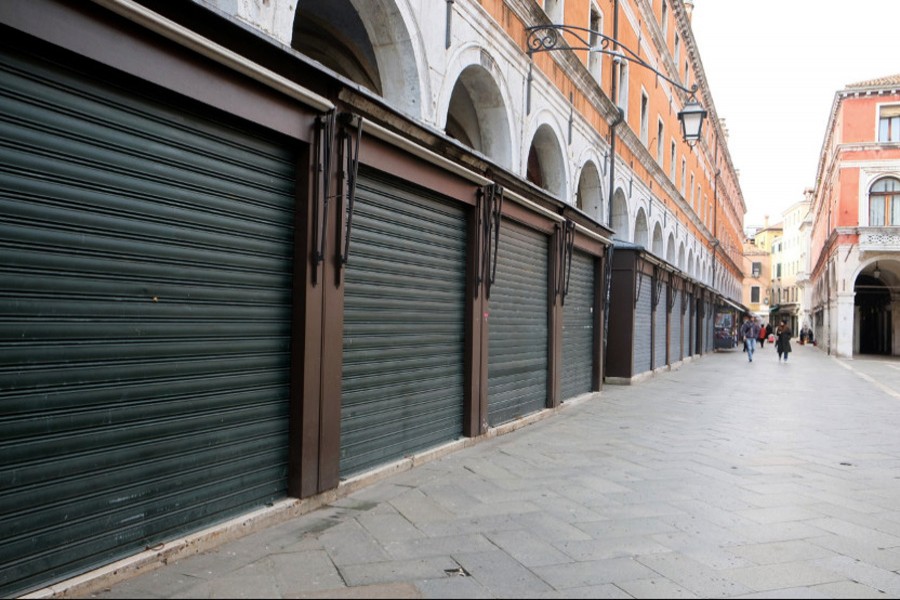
(659, 339)
(578, 328)
(677, 324)
(517, 346)
(689, 325)
(145, 295)
(643, 321)
(404, 324)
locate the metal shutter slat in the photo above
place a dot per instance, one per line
(144, 319)
(517, 347)
(578, 328)
(404, 323)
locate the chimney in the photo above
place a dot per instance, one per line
(689, 8)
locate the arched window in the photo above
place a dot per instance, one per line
(884, 203)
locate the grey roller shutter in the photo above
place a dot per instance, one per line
(145, 302)
(659, 340)
(643, 351)
(677, 326)
(578, 328)
(517, 363)
(404, 324)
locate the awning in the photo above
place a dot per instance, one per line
(736, 306)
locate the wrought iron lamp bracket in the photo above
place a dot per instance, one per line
(542, 38)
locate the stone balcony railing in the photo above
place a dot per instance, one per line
(879, 239)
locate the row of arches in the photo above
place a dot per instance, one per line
(472, 87)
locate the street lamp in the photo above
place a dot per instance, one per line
(542, 38)
(691, 117)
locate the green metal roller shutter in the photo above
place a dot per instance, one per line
(145, 295)
(517, 346)
(676, 345)
(643, 325)
(660, 341)
(578, 328)
(404, 324)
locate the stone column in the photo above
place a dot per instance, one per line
(843, 325)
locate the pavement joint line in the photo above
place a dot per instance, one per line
(868, 378)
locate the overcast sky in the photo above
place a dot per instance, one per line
(773, 68)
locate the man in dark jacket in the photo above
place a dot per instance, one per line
(750, 331)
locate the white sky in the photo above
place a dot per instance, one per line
(773, 68)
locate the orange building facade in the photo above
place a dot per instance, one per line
(855, 215)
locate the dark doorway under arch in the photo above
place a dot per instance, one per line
(873, 301)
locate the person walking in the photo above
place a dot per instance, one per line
(762, 336)
(783, 340)
(750, 332)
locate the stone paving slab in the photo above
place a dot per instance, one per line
(687, 484)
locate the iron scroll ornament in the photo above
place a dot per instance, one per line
(542, 38)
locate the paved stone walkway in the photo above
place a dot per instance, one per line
(721, 479)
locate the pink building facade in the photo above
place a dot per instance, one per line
(855, 214)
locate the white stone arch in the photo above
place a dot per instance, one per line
(641, 229)
(691, 267)
(487, 88)
(589, 191)
(657, 240)
(393, 38)
(682, 260)
(545, 137)
(620, 221)
(670, 248)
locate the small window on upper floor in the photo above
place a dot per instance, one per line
(660, 134)
(677, 53)
(884, 203)
(645, 117)
(754, 294)
(683, 175)
(623, 87)
(665, 20)
(672, 163)
(889, 123)
(595, 59)
(554, 10)
(757, 269)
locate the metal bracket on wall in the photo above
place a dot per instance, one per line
(657, 287)
(674, 291)
(350, 147)
(491, 207)
(324, 149)
(566, 247)
(638, 283)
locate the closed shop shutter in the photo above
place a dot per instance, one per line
(659, 340)
(578, 328)
(690, 326)
(145, 304)
(517, 347)
(677, 323)
(404, 324)
(643, 322)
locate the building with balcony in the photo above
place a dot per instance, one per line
(854, 223)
